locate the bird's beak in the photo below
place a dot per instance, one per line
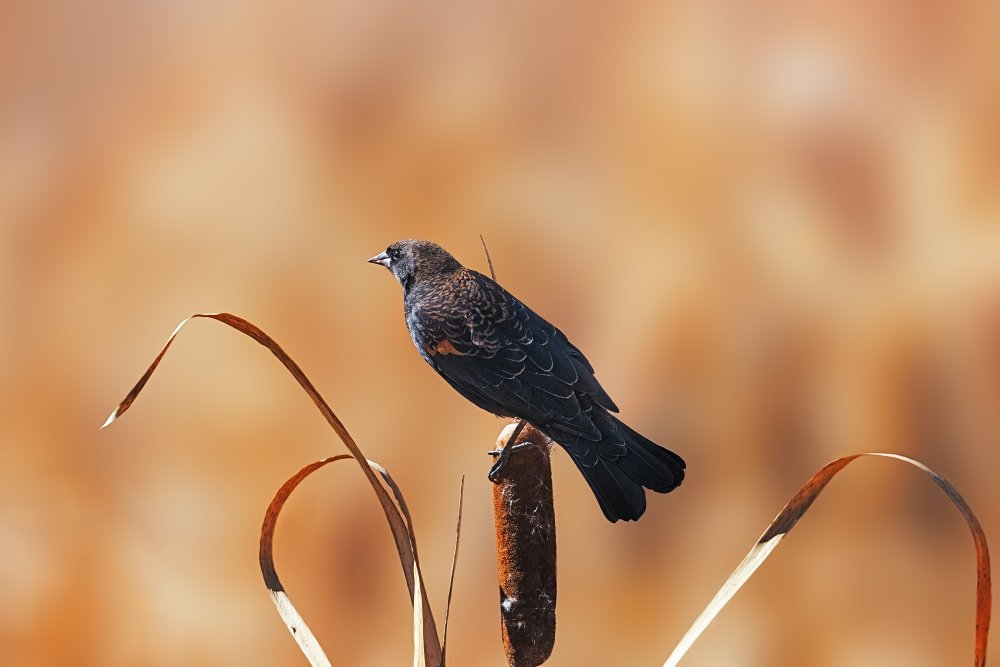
(381, 258)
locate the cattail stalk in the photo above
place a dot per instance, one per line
(526, 549)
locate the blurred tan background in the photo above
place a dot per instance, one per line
(774, 227)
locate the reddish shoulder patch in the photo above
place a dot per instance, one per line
(443, 347)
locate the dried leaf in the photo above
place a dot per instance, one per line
(451, 575)
(419, 659)
(489, 260)
(300, 631)
(401, 530)
(797, 507)
(293, 621)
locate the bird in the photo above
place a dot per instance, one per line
(508, 360)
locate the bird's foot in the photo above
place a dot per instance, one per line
(504, 452)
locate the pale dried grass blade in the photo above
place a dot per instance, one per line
(405, 544)
(419, 658)
(797, 507)
(300, 631)
(758, 554)
(420, 618)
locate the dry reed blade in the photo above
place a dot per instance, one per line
(293, 621)
(798, 506)
(403, 538)
(489, 260)
(451, 575)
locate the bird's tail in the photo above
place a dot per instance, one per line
(617, 480)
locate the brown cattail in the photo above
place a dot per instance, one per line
(526, 549)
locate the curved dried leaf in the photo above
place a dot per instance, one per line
(797, 507)
(296, 625)
(293, 621)
(402, 537)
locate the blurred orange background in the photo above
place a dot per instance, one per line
(774, 228)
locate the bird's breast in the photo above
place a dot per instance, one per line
(418, 333)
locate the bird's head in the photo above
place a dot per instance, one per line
(413, 260)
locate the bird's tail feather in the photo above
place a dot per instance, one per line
(618, 482)
(655, 467)
(619, 496)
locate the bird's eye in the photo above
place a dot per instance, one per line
(395, 254)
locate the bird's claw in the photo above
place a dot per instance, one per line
(503, 454)
(495, 470)
(505, 451)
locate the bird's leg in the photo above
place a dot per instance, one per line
(504, 452)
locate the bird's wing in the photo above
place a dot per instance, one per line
(505, 358)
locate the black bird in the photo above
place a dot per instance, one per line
(506, 359)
